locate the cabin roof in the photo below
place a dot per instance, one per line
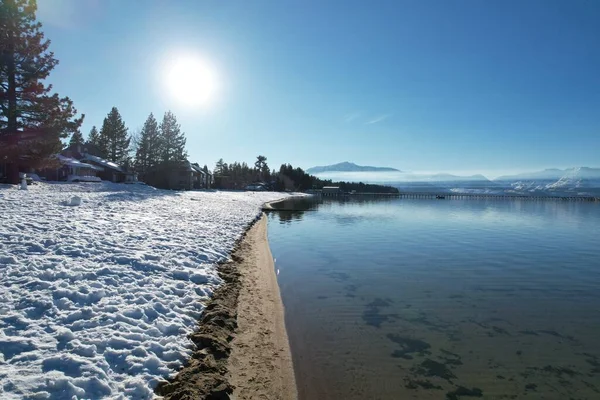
(71, 162)
(102, 162)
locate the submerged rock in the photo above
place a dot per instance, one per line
(408, 346)
(462, 391)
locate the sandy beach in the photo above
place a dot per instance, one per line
(243, 349)
(260, 366)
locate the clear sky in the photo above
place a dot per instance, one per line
(447, 85)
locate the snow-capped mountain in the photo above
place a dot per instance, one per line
(578, 180)
(547, 174)
(572, 181)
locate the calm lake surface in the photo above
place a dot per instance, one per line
(441, 299)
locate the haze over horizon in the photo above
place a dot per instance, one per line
(489, 174)
(461, 86)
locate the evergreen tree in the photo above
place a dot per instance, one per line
(148, 153)
(26, 104)
(114, 140)
(260, 161)
(94, 137)
(261, 167)
(172, 140)
(77, 138)
(220, 167)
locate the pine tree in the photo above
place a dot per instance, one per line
(93, 136)
(76, 139)
(172, 140)
(221, 167)
(149, 146)
(26, 104)
(261, 167)
(113, 139)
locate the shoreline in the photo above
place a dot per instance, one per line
(268, 206)
(242, 348)
(260, 365)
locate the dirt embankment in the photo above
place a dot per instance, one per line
(242, 346)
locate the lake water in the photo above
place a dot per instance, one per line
(441, 299)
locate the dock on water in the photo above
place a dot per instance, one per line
(463, 196)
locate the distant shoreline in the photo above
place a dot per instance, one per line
(242, 344)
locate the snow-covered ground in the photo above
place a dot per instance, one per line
(96, 300)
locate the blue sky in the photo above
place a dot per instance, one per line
(456, 85)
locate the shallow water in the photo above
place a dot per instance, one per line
(440, 299)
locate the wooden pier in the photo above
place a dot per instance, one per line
(470, 196)
(473, 196)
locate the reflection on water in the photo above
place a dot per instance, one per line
(428, 299)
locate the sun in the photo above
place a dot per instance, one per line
(191, 81)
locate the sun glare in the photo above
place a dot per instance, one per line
(191, 81)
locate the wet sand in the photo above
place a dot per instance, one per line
(243, 349)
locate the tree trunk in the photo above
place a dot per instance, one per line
(11, 93)
(12, 173)
(12, 168)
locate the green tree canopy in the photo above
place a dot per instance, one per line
(220, 167)
(262, 168)
(76, 138)
(26, 102)
(172, 140)
(148, 152)
(114, 140)
(93, 136)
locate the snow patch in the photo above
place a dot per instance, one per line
(97, 300)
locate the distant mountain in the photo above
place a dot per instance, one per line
(552, 182)
(349, 167)
(549, 174)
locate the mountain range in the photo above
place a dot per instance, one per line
(349, 167)
(571, 181)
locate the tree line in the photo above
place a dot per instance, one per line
(155, 147)
(34, 122)
(296, 179)
(239, 175)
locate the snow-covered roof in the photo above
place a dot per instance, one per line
(103, 162)
(197, 168)
(71, 162)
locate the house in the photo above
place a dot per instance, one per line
(71, 170)
(182, 175)
(198, 176)
(109, 171)
(331, 191)
(177, 176)
(205, 177)
(210, 179)
(256, 187)
(76, 151)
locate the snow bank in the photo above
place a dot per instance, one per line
(96, 301)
